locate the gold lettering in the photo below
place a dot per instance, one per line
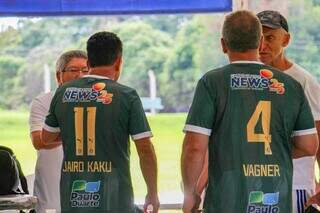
(245, 170)
(251, 171)
(95, 166)
(277, 170)
(90, 166)
(257, 170)
(73, 166)
(109, 166)
(99, 166)
(263, 170)
(270, 170)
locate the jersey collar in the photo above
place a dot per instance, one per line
(246, 62)
(95, 76)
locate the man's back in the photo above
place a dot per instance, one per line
(96, 116)
(250, 167)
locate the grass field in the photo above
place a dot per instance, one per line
(168, 136)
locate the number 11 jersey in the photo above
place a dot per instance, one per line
(95, 117)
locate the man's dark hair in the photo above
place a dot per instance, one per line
(103, 48)
(241, 31)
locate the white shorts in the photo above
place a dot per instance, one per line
(299, 199)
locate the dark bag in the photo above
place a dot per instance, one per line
(311, 209)
(12, 179)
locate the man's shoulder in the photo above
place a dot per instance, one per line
(300, 74)
(213, 73)
(123, 88)
(72, 83)
(44, 97)
(283, 76)
(241, 68)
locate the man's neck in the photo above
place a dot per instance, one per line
(105, 71)
(250, 55)
(281, 63)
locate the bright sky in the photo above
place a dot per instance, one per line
(6, 22)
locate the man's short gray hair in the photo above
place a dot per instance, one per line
(66, 57)
(241, 31)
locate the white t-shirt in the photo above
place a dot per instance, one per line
(49, 161)
(303, 168)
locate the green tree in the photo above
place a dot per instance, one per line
(9, 67)
(304, 23)
(197, 50)
(181, 70)
(145, 48)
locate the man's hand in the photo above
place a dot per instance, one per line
(39, 144)
(149, 169)
(315, 199)
(194, 150)
(191, 203)
(317, 187)
(151, 204)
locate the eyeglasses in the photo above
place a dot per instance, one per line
(76, 69)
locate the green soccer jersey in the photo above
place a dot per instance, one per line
(95, 117)
(250, 112)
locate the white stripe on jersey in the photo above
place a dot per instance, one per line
(50, 128)
(197, 129)
(142, 135)
(305, 132)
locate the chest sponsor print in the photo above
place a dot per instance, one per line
(262, 81)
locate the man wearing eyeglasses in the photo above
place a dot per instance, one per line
(70, 65)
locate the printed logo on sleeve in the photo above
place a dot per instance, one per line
(85, 194)
(95, 93)
(262, 81)
(263, 202)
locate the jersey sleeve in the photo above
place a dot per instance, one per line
(312, 88)
(51, 123)
(305, 122)
(202, 112)
(38, 112)
(138, 123)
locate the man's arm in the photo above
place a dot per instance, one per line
(203, 179)
(318, 155)
(305, 145)
(38, 144)
(194, 149)
(50, 138)
(38, 112)
(315, 199)
(148, 165)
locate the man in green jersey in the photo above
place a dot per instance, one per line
(245, 114)
(94, 116)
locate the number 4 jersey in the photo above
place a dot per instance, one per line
(95, 117)
(250, 112)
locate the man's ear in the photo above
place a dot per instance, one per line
(261, 44)
(223, 46)
(88, 64)
(58, 78)
(286, 39)
(118, 63)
